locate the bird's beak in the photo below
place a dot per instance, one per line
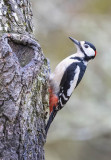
(77, 43)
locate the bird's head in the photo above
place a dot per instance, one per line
(87, 49)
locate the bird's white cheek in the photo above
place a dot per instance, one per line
(90, 52)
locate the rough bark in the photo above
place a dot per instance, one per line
(16, 16)
(23, 85)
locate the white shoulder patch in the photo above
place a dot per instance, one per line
(74, 81)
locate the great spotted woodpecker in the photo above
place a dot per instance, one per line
(67, 76)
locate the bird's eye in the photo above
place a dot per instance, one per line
(86, 46)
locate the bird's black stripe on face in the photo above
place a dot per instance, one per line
(91, 45)
(86, 57)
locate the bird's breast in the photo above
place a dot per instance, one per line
(56, 76)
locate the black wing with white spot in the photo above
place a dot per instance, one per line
(72, 75)
(82, 71)
(65, 84)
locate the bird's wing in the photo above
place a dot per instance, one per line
(66, 83)
(82, 71)
(69, 82)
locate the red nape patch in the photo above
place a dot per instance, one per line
(95, 53)
(53, 100)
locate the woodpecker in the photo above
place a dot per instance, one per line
(67, 76)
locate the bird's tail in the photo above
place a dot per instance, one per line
(51, 118)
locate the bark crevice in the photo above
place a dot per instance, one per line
(23, 97)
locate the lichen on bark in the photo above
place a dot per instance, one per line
(23, 98)
(23, 84)
(16, 16)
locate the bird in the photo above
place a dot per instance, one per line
(67, 75)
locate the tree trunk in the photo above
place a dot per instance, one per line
(23, 85)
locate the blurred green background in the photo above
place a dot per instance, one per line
(82, 129)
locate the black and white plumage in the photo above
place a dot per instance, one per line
(68, 74)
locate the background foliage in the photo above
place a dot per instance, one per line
(82, 130)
